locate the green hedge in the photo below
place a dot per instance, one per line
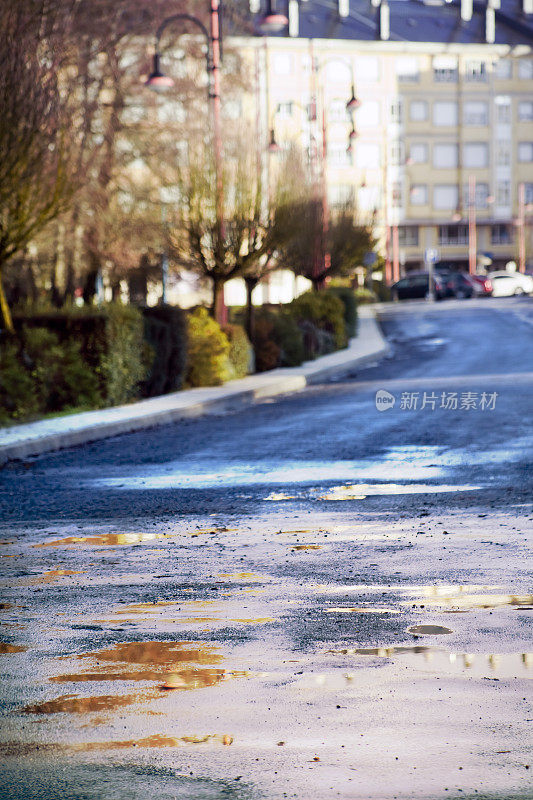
(240, 351)
(347, 296)
(325, 311)
(208, 351)
(165, 330)
(61, 360)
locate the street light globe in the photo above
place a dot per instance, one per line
(157, 80)
(272, 23)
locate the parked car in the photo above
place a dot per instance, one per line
(482, 285)
(416, 284)
(460, 285)
(506, 284)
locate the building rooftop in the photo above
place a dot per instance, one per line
(410, 21)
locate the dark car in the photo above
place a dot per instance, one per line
(460, 285)
(416, 284)
(482, 285)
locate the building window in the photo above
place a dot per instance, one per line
(338, 156)
(418, 153)
(453, 234)
(445, 69)
(396, 194)
(445, 197)
(419, 194)
(284, 110)
(476, 71)
(282, 63)
(407, 69)
(481, 195)
(445, 156)
(525, 69)
(445, 114)
(525, 152)
(503, 193)
(503, 153)
(501, 234)
(367, 155)
(338, 71)
(475, 155)
(396, 153)
(396, 111)
(525, 111)
(408, 235)
(368, 114)
(338, 111)
(475, 112)
(418, 111)
(503, 110)
(341, 194)
(503, 69)
(528, 193)
(367, 69)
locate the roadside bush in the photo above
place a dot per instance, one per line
(267, 352)
(364, 295)
(208, 351)
(125, 361)
(165, 331)
(240, 351)
(324, 310)
(347, 296)
(18, 398)
(382, 291)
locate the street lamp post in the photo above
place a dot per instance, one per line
(472, 226)
(158, 81)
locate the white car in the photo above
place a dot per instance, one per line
(505, 284)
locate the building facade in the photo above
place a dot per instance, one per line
(438, 154)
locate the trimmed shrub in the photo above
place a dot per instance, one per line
(364, 295)
(18, 398)
(239, 352)
(325, 311)
(208, 351)
(125, 361)
(347, 296)
(382, 291)
(165, 330)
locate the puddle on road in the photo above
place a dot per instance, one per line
(360, 610)
(158, 653)
(71, 704)
(437, 660)
(428, 630)
(360, 491)
(306, 547)
(6, 606)
(243, 576)
(8, 749)
(7, 649)
(106, 539)
(465, 598)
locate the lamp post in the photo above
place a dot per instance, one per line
(158, 81)
(472, 225)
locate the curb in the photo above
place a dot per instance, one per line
(46, 436)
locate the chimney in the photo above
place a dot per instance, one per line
(490, 24)
(294, 20)
(344, 8)
(384, 20)
(467, 8)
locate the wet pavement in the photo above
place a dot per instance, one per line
(309, 598)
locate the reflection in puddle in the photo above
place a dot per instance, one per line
(467, 598)
(54, 574)
(112, 539)
(306, 547)
(156, 740)
(428, 630)
(6, 648)
(361, 490)
(248, 576)
(360, 610)
(159, 653)
(435, 659)
(71, 704)
(6, 606)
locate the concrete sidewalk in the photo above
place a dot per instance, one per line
(34, 438)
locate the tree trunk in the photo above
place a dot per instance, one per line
(217, 305)
(251, 283)
(4, 307)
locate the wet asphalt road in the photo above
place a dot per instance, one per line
(308, 598)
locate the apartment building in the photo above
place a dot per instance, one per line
(438, 154)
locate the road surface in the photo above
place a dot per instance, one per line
(310, 598)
